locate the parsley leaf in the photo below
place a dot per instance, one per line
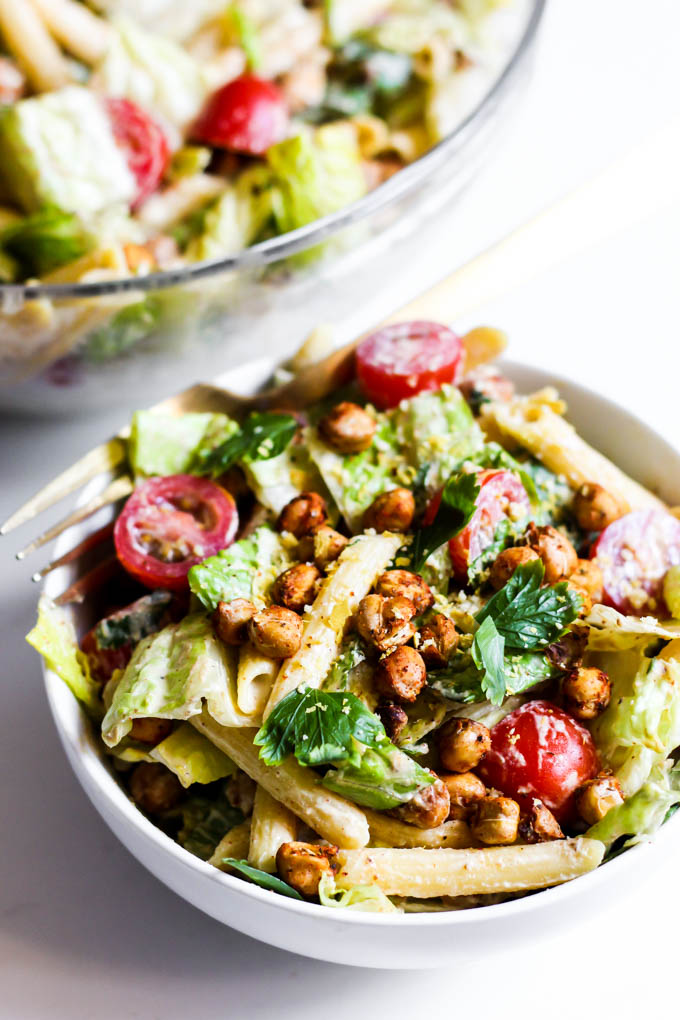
(458, 504)
(261, 437)
(488, 649)
(319, 728)
(262, 878)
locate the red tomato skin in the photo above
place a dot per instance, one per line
(539, 750)
(248, 114)
(407, 358)
(634, 554)
(143, 142)
(104, 661)
(152, 508)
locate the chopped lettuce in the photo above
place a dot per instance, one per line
(162, 444)
(236, 218)
(279, 479)
(55, 639)
(352, 672)
(367, 898)
(45, 240)
(610, 631)
(245, 570)
(382, 778)
(461, 679)
(206, 821)
(59, 150)
(192, 757)
(124, 330)
(641, 815)
(424, 715)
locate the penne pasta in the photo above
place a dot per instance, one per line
(79, 31)
(299, 789)
(27, 39)
(235, 844)
(272, 824)
(324, 627)
(254, 680)
(393, 833)
(425, 874)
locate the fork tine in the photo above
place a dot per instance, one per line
(119, 488)
(102, 458)
(89, 543)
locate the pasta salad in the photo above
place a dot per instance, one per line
(416, 647)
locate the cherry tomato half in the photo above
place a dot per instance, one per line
(104, 661)
(169, 524)
(407, 358)
(246, 115)
(634, 554)
(540, 751)
(143, 142)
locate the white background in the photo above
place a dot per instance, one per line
(85, 932)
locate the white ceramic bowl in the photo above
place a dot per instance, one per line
(368, 940)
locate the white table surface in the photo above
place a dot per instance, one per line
(85, 932)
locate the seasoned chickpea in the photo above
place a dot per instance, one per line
(586, 692)
(303, 865)
(462, 744)
(595, 508)
(154, 788)
(507, 562)
(558, 554)
(465, 789)
(323, 545)
(393, 718)
(391, 511)
(241, 792)
(150, 731)
(230, 620)
(348, 428)
(276, 632)
(539, 824)
(385, 623)
(407, 585)
(296, 587)
(495, 820)
(597, 797)
(437, 642)
(429, 807)
(304, 513)
(401, 674)
(588, 576)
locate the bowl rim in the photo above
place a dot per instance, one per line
(284, 245)
(99, 782)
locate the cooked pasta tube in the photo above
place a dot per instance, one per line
(254, 681)
(79, 31)
(297, 788)
(393, 833)
(428, 873)
(272, 824)
(28, 40)
(235, 844)
(539, 429)
(359, 565)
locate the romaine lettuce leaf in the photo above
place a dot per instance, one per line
(641, 815)
(45, 240)
(55, 639)
(610, 631)
(278, 480)
(163, 444)
(192, 757)
(367, 898)
(383, 778)
(237, 217)
(125, 329)
(245, 570)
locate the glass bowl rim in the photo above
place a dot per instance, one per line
(295, 241)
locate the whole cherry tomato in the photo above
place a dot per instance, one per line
(407, 358)
(143, 142)
(246, 115)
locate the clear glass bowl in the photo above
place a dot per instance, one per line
(213, 315)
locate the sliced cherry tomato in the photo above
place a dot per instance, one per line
(540, 751)
(246, 115)
(169, 524)
(501, 494)
(111, 642)
(634, 554)
(143, 142)
(407, 358)
(103, 661)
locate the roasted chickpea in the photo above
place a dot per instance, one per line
(296, 587)
(230, 620)
(150, 731)
(437, 641)
(586, 692)
(462, 744)
(385, 623)
(408, 586)
(558, 554)
(597, 797)
(348, 428)
(391, 511)
(323, 545)
(302, 865)
(429, 807)
(276, 632)
(393, 718)
(465, 789)
(495, 820)
(595, 508)
(154, 788)
(539, 824)
(241, 792)
(507, 562)
(401, 675)
(588, 577)
(304, 513)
